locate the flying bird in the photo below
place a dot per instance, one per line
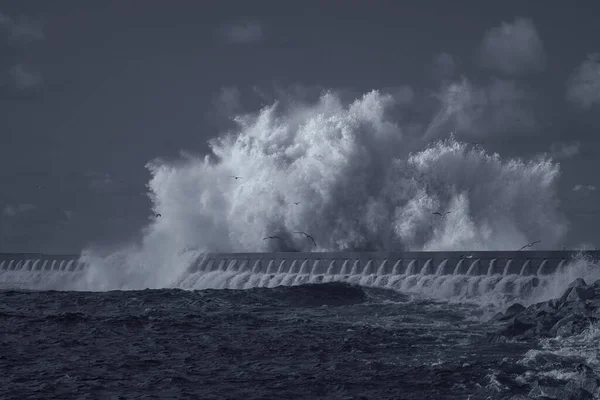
(235, 177)
(273, 237)
(297, 202)
(158, 215)
(440, 214)
(530, 244)
(308, 236)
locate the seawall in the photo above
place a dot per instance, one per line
(342, 263)
(391, 263)
(39, 262)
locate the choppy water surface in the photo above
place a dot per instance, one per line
(327, 341)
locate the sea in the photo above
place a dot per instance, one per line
(275, 336)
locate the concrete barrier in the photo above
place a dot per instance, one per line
(524, 263)
(39, 262)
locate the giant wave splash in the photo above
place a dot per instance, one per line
(348, 174)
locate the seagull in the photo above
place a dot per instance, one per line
(273, 237)
(440, 214)
(297, 202)
(308, 236)
(235, 177)
(158, 215)
(530, 244)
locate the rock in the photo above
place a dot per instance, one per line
(514, 310)
(568, 315)
(586, 381)
(497, 317)
(510, 312)
(579, 282)
(548, 392)
(574, 308)
(519, 328)
(563, 325)
(580, 294)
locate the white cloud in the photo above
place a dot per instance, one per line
(243, 32)
(583, 86)
(512, 48)
(577, 188)
(564, 150)
(14, 210)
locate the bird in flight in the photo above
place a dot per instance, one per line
(308, 236)
(297, 202)
(273, 237)
(158, 215)
(235, 177)
(440, 214)
(530, 244)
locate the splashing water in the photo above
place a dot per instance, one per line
(360, 181)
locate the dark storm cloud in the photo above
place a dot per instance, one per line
(583, 86)
(512, 48)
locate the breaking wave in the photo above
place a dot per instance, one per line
(349, 175)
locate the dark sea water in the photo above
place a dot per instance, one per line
(317, 341)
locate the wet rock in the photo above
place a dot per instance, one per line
(569, 326)
(513, 310)
(587, 381)
(556, 393)
(580, 294)
(498, 317)
(579, 282)
(568, 315)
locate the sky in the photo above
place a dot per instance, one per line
(91, 92)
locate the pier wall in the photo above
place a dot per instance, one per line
(342, 263)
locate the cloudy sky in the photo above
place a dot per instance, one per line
(90, 92)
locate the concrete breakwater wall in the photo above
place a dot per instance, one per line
(524, 263)
(39, 262)
(342, 263)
